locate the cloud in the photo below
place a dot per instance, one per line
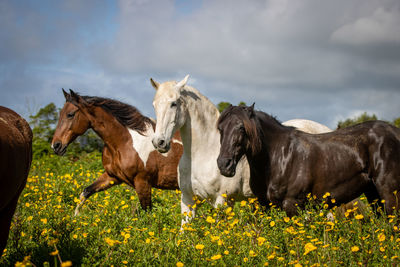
(307, 58)
(382, 27)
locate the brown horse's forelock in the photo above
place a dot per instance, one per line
(126, 114)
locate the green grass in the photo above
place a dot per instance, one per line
(113, 230)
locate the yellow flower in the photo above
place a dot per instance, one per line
(210, 219)
(151, 233)
(147, 240)
(286, 219)
(54, 252)
(355, 249)
(359, 217)
(66, 264)
(29, 218)
(327, 194)
(224, 195)
(125, 262)
(245, 259)
(298, 265)
(216, 257)
(226, 252)
(381, 237)
(308, 248)
(272, 224)
(44, 221)
(382, 249)
(179, 264)
(252, 253)
(199, 246)
(261, 240)
(243, 203)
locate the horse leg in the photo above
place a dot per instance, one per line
(6, 215)
(374, 199)
(187, 209)
(143, 190)
(102, 183)
(290, 205)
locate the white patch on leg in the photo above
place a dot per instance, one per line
(142, 143)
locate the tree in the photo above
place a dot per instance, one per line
(356, 120)
(396, 122)
(43, 127)
(223, 105)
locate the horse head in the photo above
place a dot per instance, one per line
(72, 122)
(235, 129)
(170, 112)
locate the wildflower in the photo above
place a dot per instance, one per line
(381, 237)
(272, 224)
(210, 219)
(261, 240)
(54, 252)
(66, 264)
(226, 252)
(327, 194)
(148, 240)
(125, 262)
(44, 221)
(286, 219)
(224, 196)
(382, 249)
(179, 264)
(243, 203)
(359, 217)
(216, 257)
(151, 233)
(199, 246)
(308, 248)
(355, 249)
(245, 259)
(298, 265)
(292, 252)
(252, 253)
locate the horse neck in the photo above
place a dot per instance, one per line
(270, 133)
(108, 128)
(199, 133)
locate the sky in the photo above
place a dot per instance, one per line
(313, 59)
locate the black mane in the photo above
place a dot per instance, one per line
(127, 115)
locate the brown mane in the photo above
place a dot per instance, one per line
(126, 114)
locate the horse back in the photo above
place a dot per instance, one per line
(15, 154)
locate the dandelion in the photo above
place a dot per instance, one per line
(66, 264)
(327, 194)
(261, 240)
(272, 224)
(216, 257)
(243, 203)
(252, 253)
(381, 237)
(226, 252)
(210, 219)
(308, 248)
(54, 252)
(286, 219)
(359, 217)
(44, 221)
(199, 246)
(179, 264)
(355, 249)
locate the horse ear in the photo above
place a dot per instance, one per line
(154, 83)
(250, 110)
(77, 99)
(182, 83)
(66, 95)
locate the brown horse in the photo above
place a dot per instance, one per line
(286, 165)
(128, 154)
(15, 162)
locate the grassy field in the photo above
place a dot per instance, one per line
(113, 230)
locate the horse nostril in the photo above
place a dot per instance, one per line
(56, 146)
(161, 143)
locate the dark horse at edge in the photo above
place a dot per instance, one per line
(286, 165)
(15, 162)
(128, 154)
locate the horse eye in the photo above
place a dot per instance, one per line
(173, 104)
(70, 115)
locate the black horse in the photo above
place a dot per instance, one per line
(286, 165)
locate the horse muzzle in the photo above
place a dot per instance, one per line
(226, 166)
(161, 145)
(59, 148)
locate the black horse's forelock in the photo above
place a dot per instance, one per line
(250, 124)
(126, 114)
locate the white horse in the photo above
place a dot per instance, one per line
(181, 107)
